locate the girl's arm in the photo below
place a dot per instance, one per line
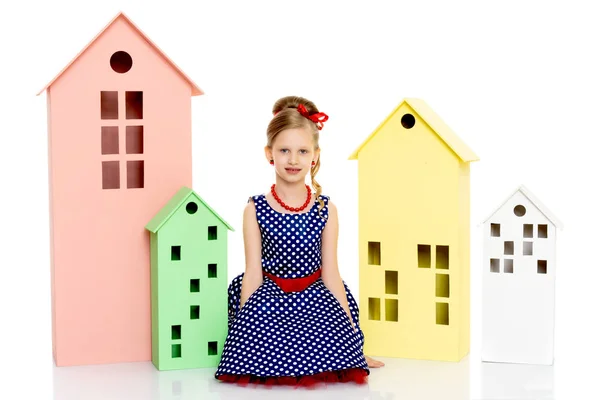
(253, 277)
(329, 270)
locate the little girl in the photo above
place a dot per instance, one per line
(292, 320)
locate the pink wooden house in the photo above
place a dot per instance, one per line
(119, 126)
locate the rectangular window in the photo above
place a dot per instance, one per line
(175, 253)
(212, 233)
(194, 285)
(134, 105)
(374, 309)
(442, 257)
(391, 282)
(495, 230)
(495, 265)
(134, 143)
(175, 332)
(424, 255)
(194, 312)
(542, 267)
(212, 348)
(212, 270)
(109, 105)
(543, 231)
(176, 350)
(374, 255)
(527, 230)
(527, 248)
(110, 175)
(508, 265)
(441, 314)
(509, 248)
(442, 285)
(391, 310)
(110, 140)
(135, 174)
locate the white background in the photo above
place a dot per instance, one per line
(518, 81)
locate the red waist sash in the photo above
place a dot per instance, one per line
(289, 285)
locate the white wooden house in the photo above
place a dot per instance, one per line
(519, 272)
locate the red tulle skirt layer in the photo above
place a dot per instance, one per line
(356, 375)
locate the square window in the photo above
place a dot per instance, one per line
(109, 105)
(110, 140)
(175, 253)
(508, 265)
(212, 270)
(527, 230)
(194, 312)
(527, 248)
(424, 255)
(135, 174)
(212, 233)
(374, 253)
(495, 230)
(509, 248)
(110, 175)
(542, 267)
(194, 285)
(543, 231)
(134, 143)
(134, 105)
(495, 265)
(176, 332)
(176, 350)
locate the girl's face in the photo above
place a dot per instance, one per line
(293, 152)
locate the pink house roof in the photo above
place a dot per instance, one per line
(196, 91)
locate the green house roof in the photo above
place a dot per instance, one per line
(173, 205)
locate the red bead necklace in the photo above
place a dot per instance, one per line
(308, 197)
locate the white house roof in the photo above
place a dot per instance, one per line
(534, 200)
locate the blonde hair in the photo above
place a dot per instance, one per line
(286, 116)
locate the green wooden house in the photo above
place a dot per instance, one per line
(188, 242)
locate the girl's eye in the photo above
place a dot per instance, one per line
(283, 150)
(304, 151)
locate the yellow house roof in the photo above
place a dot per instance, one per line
(435, 123)
(196, 91)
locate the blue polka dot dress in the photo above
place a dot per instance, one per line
(297, 337)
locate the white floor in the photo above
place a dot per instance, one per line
(399, 379)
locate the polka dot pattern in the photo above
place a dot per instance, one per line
(290, 334)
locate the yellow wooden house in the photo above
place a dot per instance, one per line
(414, 236)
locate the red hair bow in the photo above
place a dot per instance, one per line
(317, 118)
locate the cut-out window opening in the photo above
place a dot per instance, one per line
(391, 282)
(442, 316)
(194, 312)
(134, 143)
(527, 248)
(121, 62)
(212, 270)
(176, 350)
(212, 348)
(424, 255)
(109, 105)
(519, 210)
(134, 105)
(495, 230)
(542, 266)
(442, 257)
(194, 285)
(527, 230)
(391, 310)
(135, 174)
(509, 248)
(110, 175)
(495, 265)
(374, 309)
(442, 285)
(374, 253)
(408, 121)
(176, 332)
(109, 142)
(175, 253)
(543, 231)
(508, 265)
(191, 207)
(212, 233)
